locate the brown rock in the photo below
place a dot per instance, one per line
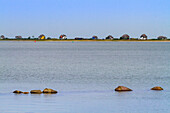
(157, 88)
(35, 91)
(25, 92)
(122, 88)
(47, 90)
(17, 91)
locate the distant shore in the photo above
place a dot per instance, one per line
(86, 40)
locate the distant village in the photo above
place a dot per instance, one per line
(64, 37)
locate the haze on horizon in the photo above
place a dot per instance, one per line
(84, 18)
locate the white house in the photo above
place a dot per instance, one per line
(143, 37)
(63, 37)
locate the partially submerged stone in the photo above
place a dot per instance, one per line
(25, 92)
(157, 88)
(51, 91)
(18, 92)
(35, 91)
(122, 88)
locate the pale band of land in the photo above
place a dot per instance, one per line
(98, 40)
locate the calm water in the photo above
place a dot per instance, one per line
(85, 74)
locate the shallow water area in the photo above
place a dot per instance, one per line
(85, 74)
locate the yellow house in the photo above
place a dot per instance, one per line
(41, 37)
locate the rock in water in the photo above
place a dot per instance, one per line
(17, 91)
(35, 91)
(47, 90)
(122, 88)
(157, 88)
(25, 92)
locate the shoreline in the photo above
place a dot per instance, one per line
(99, 40)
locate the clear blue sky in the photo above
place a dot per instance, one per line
(85, 18)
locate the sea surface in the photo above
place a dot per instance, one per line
(85, 74)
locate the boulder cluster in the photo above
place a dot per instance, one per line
(51, 91)
(45, 91)
(123, 88)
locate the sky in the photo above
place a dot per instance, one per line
(85, 18)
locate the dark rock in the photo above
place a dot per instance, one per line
(122, 88)
(47, 90)
(35, 91)
(17, 91)
(157, 88)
